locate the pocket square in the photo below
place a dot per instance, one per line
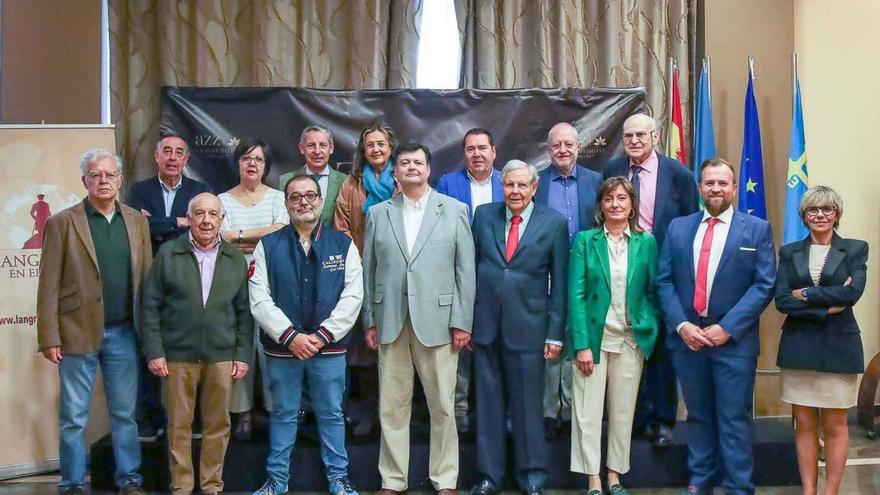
(747, 249)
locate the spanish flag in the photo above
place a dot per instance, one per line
(677, 144)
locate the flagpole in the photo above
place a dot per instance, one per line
(794, 66)
(752, 67)
(708, 63)
(669, 106)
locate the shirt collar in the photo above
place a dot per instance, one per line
(323, 171)
(176, 186)
(650, 164)
(555, 174)
(91, 210)
(480, 183)
(626, 232)
(200, 249)
(726, 216)
(525, 215)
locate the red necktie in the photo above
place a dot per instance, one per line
(512, 237)
(700, 296)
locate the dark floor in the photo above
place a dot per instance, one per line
(862, 476)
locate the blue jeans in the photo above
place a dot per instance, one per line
(118, 357)
(326, 378)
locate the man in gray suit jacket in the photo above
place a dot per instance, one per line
(418, 309)
(316, 146)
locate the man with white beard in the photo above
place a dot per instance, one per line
(306, 290)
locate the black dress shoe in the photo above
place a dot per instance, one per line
(535, 490)
(550, 427)
(484, 487)
(662, 437)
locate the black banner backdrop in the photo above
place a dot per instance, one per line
(213, 120)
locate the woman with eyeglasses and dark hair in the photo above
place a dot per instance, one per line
(371, 182)
(252, 209)
(819, 280)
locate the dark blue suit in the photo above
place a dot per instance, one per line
(718, 382)
(676, 196)
(147, 195)
(514, 314)
(458, 185)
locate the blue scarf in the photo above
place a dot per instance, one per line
(380, 189)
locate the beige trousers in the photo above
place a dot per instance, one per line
(619, 374)
(213, 381)
(436, 367)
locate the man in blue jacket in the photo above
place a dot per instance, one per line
(476, 184)
(571, 190)
(714, 277)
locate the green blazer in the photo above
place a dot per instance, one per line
(589, 292)
(334, 183)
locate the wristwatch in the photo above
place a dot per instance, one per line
(804, 294)
(241, 237)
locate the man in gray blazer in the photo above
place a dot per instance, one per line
(418, 309)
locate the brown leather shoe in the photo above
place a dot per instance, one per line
(447, 491)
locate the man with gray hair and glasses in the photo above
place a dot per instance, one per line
(519, 324)
(316, 146)
(95, 256)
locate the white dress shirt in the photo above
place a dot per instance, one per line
(617, 332)
(481, 192)
(323, 178)
(719, 238)
(413, 213)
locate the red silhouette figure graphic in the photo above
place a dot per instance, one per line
(40, 212)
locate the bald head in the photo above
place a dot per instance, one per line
(563, 145)
(639, 137)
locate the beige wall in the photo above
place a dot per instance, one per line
(836, 46)
(840, 79)
(51, 61)
(764, 30)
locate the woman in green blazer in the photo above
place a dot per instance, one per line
(613, 322)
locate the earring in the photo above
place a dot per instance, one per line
(632, 213)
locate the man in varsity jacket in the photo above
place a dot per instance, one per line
(306, 289)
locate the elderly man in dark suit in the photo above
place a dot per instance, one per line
(665, 190)
(163, 200)
(95, 256)
(519, 322)
(714, 278)
(571, 190)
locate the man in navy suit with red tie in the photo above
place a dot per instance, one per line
(715, 276)
(519, 324)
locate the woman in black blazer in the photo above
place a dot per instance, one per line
(819, 280)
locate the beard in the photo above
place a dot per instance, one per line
(305, 217)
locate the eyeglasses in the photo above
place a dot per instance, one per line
(93, 176)
(255, 159)
(640, 135)
(310, 197)
(827, 210)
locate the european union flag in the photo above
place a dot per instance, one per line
(751, 166)
(704, 130)
(798, 178)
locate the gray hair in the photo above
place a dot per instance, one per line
(514, 165)
(565, 125)
(95, 155)
(316, 128)
(821, 196)
(194, 200)
(643, 116)
(170, 134)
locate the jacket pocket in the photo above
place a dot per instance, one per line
(445, 300)
(68, 298)
(377, 298)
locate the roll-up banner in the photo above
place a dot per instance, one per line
(213, 120)
(41, 176)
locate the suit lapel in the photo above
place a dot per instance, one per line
(81, 225)
(801, 259)
(632, 256)
(433, 210)
(499, 226)
(133, 245)
(664, 185)
(334, 182)
(497, 187)
(734, 238)
(465, 190)
(531, 229)
(179, 197)
(395, 216)
(836, 255)
(583, 192)
(600, 245)
(688, 248)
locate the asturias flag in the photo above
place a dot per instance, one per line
(704, 130)
(798, 178)
(677, 145)
(751, 166)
